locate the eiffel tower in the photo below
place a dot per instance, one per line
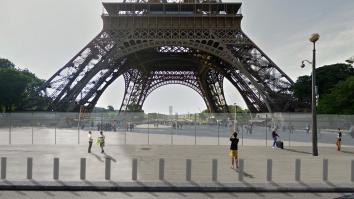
(156, 43)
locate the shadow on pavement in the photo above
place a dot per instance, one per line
(171, 185)
(348, 152)
(296, 151)
(97, 157)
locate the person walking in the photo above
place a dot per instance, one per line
(90, 141)
(275, 137)
(233, 153)
(101, 141)
(339, 139)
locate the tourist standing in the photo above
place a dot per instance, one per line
(101, 141)
(275, 137)
(339, 139)
(90, 141)
(233, 153)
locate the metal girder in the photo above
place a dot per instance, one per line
(150, 56)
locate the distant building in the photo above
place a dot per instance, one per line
(170, 110)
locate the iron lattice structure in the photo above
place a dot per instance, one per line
(152, 44)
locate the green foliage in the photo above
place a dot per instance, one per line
(4, 63)
(326, 78)
(340, 100)
(19, 89)
(110, 108)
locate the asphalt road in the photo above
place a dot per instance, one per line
(171, 195)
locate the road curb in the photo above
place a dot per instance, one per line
(172, 187)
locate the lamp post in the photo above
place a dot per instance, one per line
(314, 38)
(235, 117)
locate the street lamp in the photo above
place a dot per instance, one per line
(235, 117)
(314, 38)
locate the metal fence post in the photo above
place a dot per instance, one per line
(148, 128)
(218, 132)
(56, 169)
(135, 169)
(10, 128)
(32, 125)
(266, 127)
(3, 167)
(269, 170)
(29, 168)
(352, 176)
(107, 174)
(82, 168)
(189, 170)
(161, 169)
(297, 170)
(195, 129)
(325, 170)
(241, 170)
(214, 170)
(55, 128)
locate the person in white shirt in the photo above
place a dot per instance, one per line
(90, 141)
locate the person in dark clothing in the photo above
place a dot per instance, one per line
(339, 139)
(275, 137)
(233, 153)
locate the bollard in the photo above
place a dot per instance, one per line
(269, 170)
(241, 170)
(352, 178)
(82, 168)
(3, 167)
(214, 170)
(161, 169)
(135, 169)
(107, 174)
(29, 168)
(56, 169)
(297, 169)
(189, 170)
(325, 170)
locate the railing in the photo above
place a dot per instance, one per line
(213, 172)
(188, 129)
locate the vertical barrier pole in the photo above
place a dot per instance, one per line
(107, 174)
(241, 170)
(56, 169)
(325, 170)
(135, 169)
(29, 168)
(218, 132)
(269, 170)
(297, 170)
(189, 170)
(162, 169)
(3, 167)
(82, 168)
(214, 170)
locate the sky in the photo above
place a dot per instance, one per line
(43, 35)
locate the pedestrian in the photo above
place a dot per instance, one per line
(233, 153)
(275, 137)
(339, 139)
(101, 141)
(90, 141)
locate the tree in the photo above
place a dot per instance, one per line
(5, 63)
(326, 78)
(19, 89)
(110, 108)
(340, 100)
